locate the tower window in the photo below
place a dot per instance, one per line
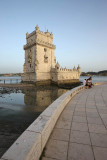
(46, 59)
(30, 65)
(45, 50)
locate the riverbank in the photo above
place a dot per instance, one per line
(17, 85)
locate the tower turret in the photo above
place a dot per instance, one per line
(74, 69)
(57, 66)
(37, 28)
(27, 34)
(79, 69)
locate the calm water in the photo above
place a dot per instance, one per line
(95, 78)
(19, 108)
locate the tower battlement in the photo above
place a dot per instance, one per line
(39, 37)
(47, 33)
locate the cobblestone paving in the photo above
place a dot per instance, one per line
(81, 131)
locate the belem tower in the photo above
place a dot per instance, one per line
(40, 61)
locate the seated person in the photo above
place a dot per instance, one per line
(90, 82)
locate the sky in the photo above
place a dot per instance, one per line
(79, 30)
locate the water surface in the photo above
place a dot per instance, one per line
(94, 78)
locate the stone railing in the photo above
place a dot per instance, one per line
(100, 83)
(30, 144)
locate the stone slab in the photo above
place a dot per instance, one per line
(78, 113)
(80, 152)
(57, 149)
(63, 124)
(100, 153)
(60, 134)
(80, 137)
(97, 128)
(79, 126)
(94, 120)
(99, 140)
(44, 158)
(79, 119)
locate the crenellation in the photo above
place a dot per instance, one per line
(40, 61)
(31, 34)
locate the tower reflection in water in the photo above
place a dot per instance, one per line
(38, 99)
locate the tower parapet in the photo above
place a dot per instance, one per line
(40, 38)
(79, 69)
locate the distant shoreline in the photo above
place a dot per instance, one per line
(100, 73)
(10, 74)
(90, 75)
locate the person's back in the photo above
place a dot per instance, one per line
(90, 82)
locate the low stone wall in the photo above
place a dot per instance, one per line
(100, 83)
(30, 144)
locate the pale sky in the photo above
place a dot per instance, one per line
(79, 31)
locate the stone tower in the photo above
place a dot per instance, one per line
(39, 56)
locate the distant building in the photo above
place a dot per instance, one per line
(40, 62)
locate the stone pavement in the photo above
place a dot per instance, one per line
(81, 130)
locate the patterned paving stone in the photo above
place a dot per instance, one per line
(80, 109)
(80, 137)
(66, 117)
(80, 152)
(68, 112)
(92, 115)
(44, 158)
(103, 111)
(77, 113)
(56, 149)
(99, 139)
(79, 126)
(94, 120)
(90, 106)
(90, 110)
(97, 128)
(105, 121)
(100, 153)
(63, 124)
(60, 134)
(103, 115)
(79, 119)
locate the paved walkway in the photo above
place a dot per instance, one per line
(81, 131)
